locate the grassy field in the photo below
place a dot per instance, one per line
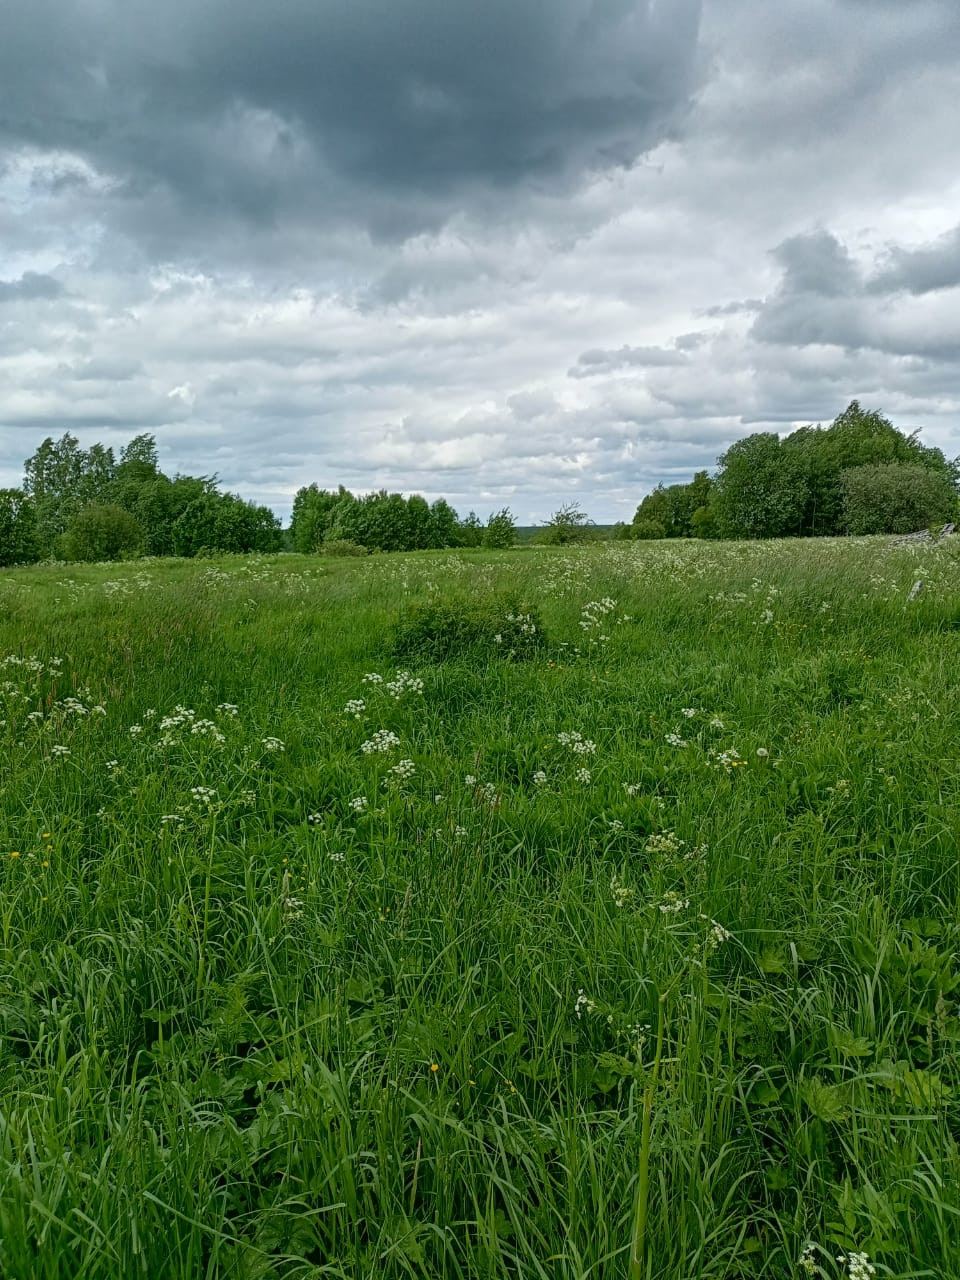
(548, 915)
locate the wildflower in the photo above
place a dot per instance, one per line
(664, 842)
(675, 740)
(716, 723)
(336, 855)
(228, 709)
(762, 752)
(59, 750)
(539, 778)
(633, 788)
(15, 853)
(355, 707)
(672, 903)
(400, 773)
(434, 1067)
(808, 1261)
(615, 824)
(859, 1266)
(583, 1004)
(460, 832)
(621, 894)
(584, 776)
(383, 740)
(689, 712)
(136, 730)
(717, 935)
(112, 764)
(577, 743)
(469, 780)
(272, 744)
(357, 804)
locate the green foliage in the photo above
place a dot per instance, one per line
(896, 497)
(501, 530)
(101, 533)
(761, 489)
(769, 488)
(568, 524)
(647, 529)
(672, 510)
(342, 547)
(449, 630)
(378, 521)
(470, 531)
(18, 528)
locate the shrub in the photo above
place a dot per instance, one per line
(102, 533)
(343, 547)
(647, 530)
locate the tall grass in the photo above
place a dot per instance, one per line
(635, 954)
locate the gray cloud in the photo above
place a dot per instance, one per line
(512, 252)
(386, 114)
(597, 361)
(31, 286)
(925, 270)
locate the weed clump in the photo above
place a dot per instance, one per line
(439, 631)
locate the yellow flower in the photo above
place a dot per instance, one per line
(15, 854)
(434, 1066)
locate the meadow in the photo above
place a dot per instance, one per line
(546, 914)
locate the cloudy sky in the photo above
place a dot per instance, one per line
(510, 252)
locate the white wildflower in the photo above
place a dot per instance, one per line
(383, 740)
(859, 1266)
(672, 903)
(272, 744)
(583, 1004)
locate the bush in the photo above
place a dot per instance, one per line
(102, 533)
(342, 547)
(646, 530)
(895, 497)
(437, 632)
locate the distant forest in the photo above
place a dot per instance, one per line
(860, 475)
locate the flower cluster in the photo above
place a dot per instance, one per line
(382, 742)
(578, 744)
(401, 772)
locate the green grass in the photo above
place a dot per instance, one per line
(686, 1015)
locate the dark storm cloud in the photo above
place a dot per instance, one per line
(31, 286)
(323, 107)
(825, 299)
(935, 266)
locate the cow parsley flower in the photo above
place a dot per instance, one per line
(383, 741)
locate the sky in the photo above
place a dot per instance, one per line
(513, 253)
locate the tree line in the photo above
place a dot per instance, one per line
(88, 504)
(859, 475)
(340, 521)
